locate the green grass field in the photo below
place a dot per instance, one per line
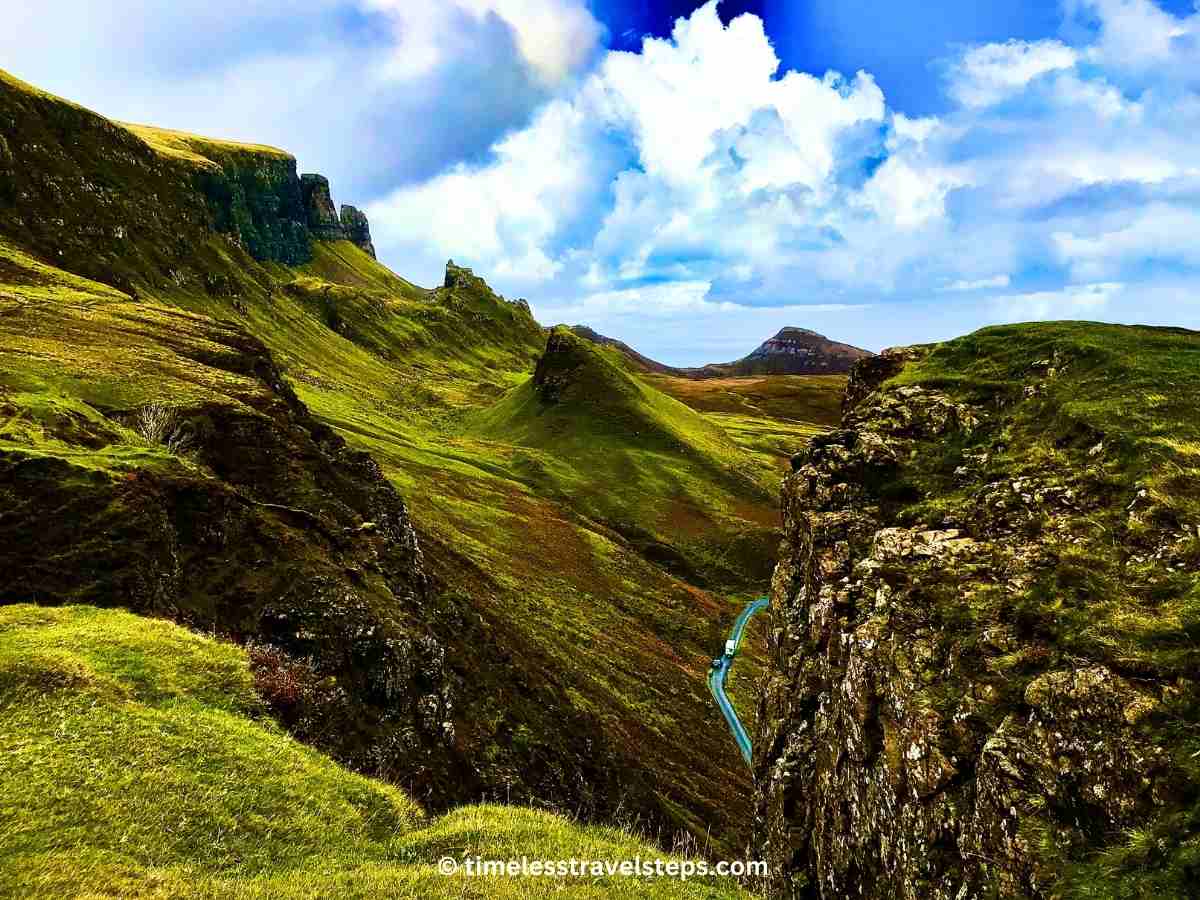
(135, 761)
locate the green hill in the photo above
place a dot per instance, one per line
(135, 761)
(643, 463)
(210, 413)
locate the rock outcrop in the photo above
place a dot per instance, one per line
(461, 277)
(940, 720)
(320, 213)
(256, 198)
(357, 229)
(278, 534)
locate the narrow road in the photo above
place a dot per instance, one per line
(719, 673)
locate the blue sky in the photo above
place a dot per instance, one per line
(691, 177)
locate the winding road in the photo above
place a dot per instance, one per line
(719, 673)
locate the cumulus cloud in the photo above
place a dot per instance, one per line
(994, 72)
(1073, 302)
(373, 93)
(696, 164)
(686, 160)
(1159, 234)
(1134, 35)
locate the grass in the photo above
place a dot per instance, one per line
(134, 762)
(196, 149)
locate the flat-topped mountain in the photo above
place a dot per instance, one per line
(793, 351)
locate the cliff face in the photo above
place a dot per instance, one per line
(983, 661)
(257, 199)
(321, 214)
(136, 206)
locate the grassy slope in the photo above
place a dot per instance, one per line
(626, 454)
(1109, 412)
(134, 762)
(768, 416)
(530, 534)
(195, 149)
(70, 348)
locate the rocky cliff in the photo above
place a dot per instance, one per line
(97, 197)
(984, 654)
(321, 215)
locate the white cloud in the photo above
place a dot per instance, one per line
(994, 72)
(996, 281)
(1135, 34)
(1160, 234)
(555, 37)
(727, 156)
(1073, 302)
(909, 195)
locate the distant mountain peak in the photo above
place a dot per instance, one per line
(797, 351)
(792, 351)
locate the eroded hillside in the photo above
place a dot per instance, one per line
(984, 660)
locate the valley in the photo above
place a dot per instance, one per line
(550, 588)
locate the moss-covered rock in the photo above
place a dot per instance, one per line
(982, 678)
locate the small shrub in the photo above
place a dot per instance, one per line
(312, 706)
(159, 424)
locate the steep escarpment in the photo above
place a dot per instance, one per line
(142, 208)
(984, 664)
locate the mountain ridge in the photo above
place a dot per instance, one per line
(791, 351)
